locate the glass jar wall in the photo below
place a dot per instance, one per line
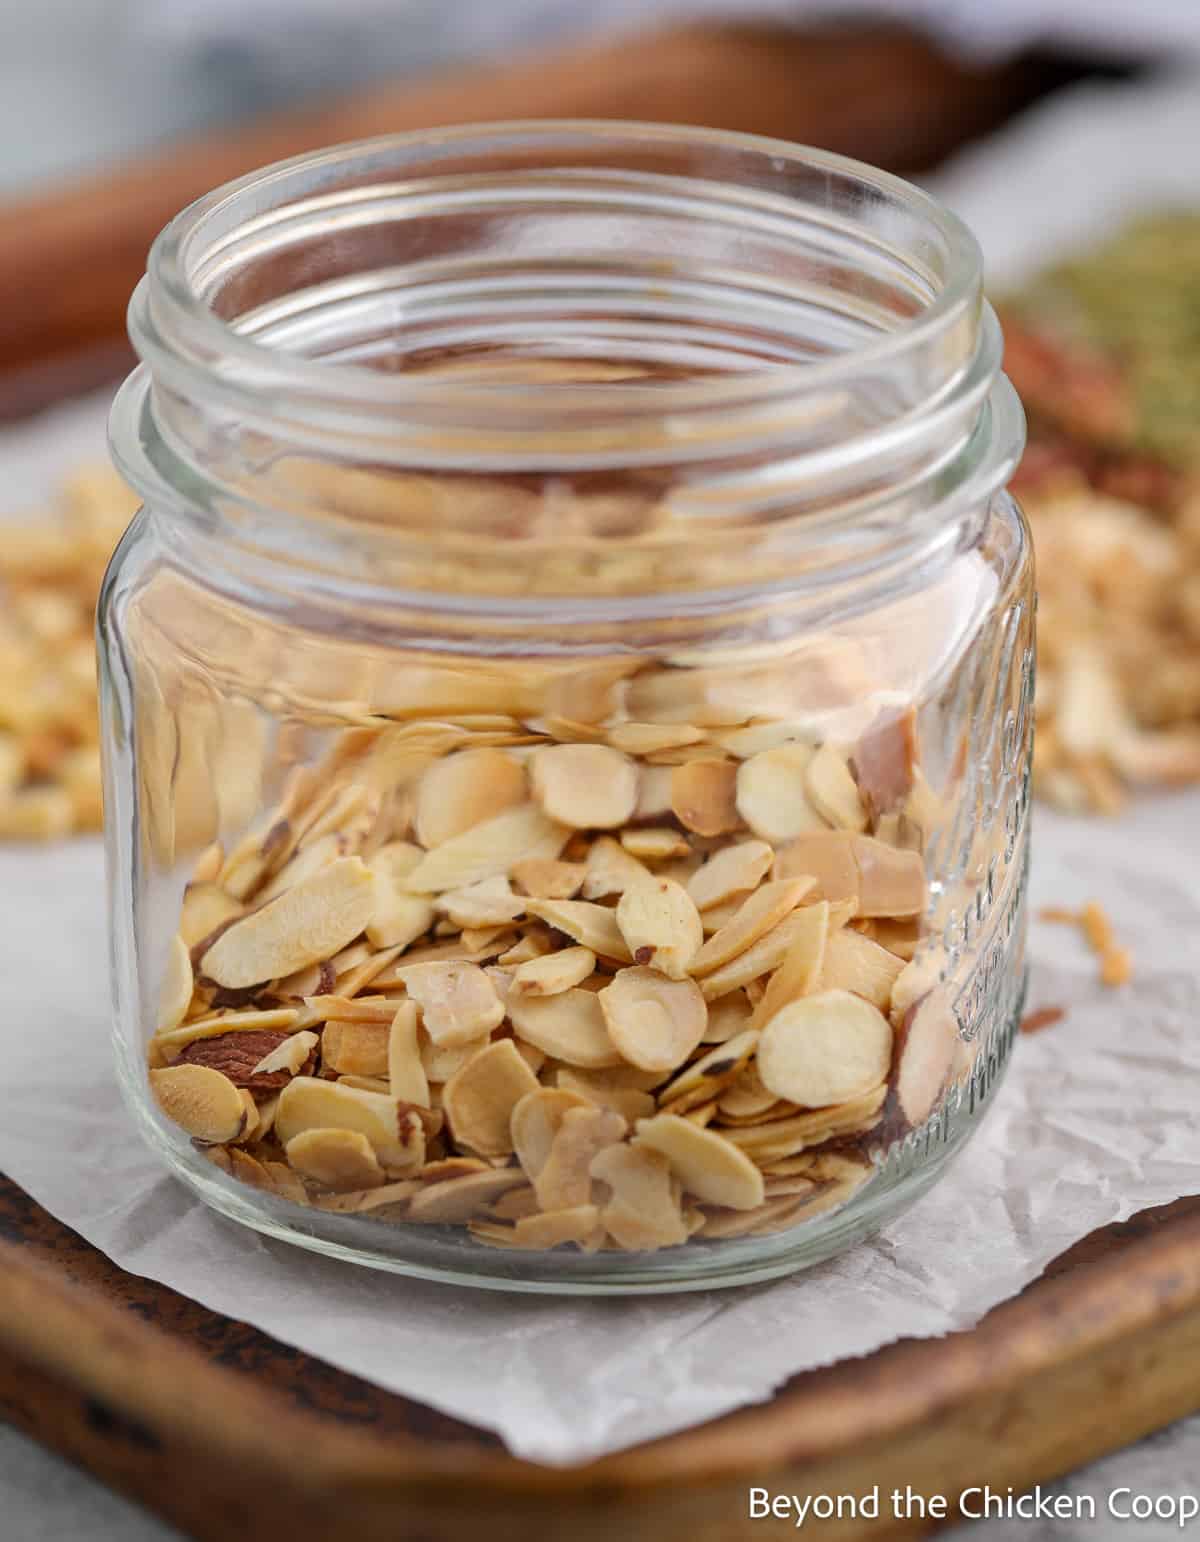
(568, 699)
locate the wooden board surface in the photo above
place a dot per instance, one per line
(228, 1433)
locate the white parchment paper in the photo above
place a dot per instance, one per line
(1098, 1117)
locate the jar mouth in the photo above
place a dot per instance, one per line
(758, 295)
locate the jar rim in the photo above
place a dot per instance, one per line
(198, 353)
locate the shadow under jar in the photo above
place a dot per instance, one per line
(568, 698)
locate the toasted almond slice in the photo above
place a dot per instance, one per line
(741, 1223)
(490, 941)
(553, 1228)
(901, 937)
(713, 1071)
(703, 796)
(660, 925)
(491, 902)
(389, 1202)
(772, 794)
(644, 1212)
(569, 1027)
(309, 859)
(175, 993)
(289, 1056)
(565, 1177)
(586, 786)
(707, 1165)
(655, 843)
(281, 1019)
(285, 1183)
(201, 1101)
(553, 972)
(926, 1046)
(757, 737)
(248, 1169)
(832, 790)
(800, 972)
(610, 869)
(266, 1117)
(489, 849)
(549, 879)
(355, 1049)
(493, 1234)
(406, 1074)
(727, 1018)
(536, 942)
(653, 1021)
(305, 924)
(458, 1199)
(646, 738)
(773, 1142)
(479, 1098)
(464, 790)
(729, 872)
(453, 1167)
(827, 856)
(206, 906)
(363, 1009)
(756, 916)
(335, 1159)
(594, 926)
(535, 1122)
(853, 962)
(458, 1002)
(825, 1049)
(352, 981)
(365, 1083)
(515, 1204)
(748, 968)
(441, 1061)
(654, 794)
(394, 1131)
(891, 882)
(746, 1098)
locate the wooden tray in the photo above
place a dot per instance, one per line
(229, 1434)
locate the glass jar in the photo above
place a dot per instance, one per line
(567, 700)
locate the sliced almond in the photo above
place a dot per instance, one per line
(825, 1049)
(441, 1061)
(707, 1165)
(304, 925)
(355, 1049)
(593, 926)
(175, 993)
(748, 968)
(610, 869)
(800, 972)
(406, 1074)
(644, 1212)
(278, 1019)
(548, 879)
(757, 915)
(363, 1009)
(206, 907)
(654, 843)
(654, 1022)
(308, 860)
(458, 1002)
(488, 941)
(479, 1098)
(201, 1101)
(552, 973)
(826, 855)
(832, 790)
(554, 1228)
(488, 850)
(491, 902)
(891, 882)
(654, 795)
(464, 790)
(772, 795)
(646, 738)
(660, 925)
(727, 1018)
(290, 1056)
(853, 962)
(621, 1097)
(515, 1204)
(746, 1098)
(711, 1072)
(389, 1202)
(569, 1026)
(703, 796)
(395, 1132)
(535, 1122)
(773, 1142)
(926, 1048)
(535, 942)
(730, 872)
(458, 1199)
(335, 1159)
(398, 917)
(586, 786)
(564, 1180)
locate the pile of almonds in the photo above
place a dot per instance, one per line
(651, 983)
(50, 573)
